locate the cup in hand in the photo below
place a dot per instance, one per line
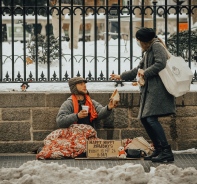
(85, 107)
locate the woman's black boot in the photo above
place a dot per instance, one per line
(166, 155)
(155, 153)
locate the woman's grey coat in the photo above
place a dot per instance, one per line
(67, 117)
(155, 99)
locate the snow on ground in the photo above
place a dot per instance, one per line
(66, 66)
(37, 172)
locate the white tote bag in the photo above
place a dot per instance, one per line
(176, 76)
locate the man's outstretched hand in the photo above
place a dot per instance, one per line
(115, 77)
(112, 104)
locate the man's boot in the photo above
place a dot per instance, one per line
(166, 155)
(155, 153)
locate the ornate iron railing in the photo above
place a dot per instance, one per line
(40, 57)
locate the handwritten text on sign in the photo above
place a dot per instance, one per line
(103, 148)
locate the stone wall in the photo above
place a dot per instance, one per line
(27, 118)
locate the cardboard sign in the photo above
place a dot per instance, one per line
(103, 148)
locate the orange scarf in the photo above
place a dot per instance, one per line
(92, 111)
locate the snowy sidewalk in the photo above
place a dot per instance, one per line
(183, 160)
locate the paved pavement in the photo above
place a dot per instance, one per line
(14, 161)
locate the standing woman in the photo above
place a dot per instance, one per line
(155, 100)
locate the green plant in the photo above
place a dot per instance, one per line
(183, 38)
(47, 49)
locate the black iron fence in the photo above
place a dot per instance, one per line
(100, 42)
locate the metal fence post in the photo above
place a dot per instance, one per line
(154, 15)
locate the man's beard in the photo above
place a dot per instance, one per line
(82, 93)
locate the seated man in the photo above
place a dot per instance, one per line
(71, 110)
(76, 19)
(76, 125)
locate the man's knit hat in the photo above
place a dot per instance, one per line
(72, 84)
(145, 34)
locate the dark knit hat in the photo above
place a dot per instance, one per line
(145, 34)
(72, 84)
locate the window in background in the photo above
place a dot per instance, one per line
(102, 2)
(125, 3)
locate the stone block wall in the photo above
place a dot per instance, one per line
(27, 118)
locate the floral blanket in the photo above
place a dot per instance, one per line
(68, 142)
